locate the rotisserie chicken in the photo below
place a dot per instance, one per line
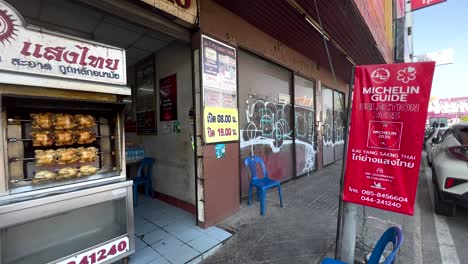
(67, 173)
(85, 121)
(62, 121)
(84, 137)
(87, 170)
(42, 176)
(45, 157)
(42, 139)
(65, 156)
(87, 154)
(42, 120)
(64, 138)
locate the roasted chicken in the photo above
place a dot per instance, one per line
(45, 157)
(64, 138)
(67, 173)
(42, 176)
(87, 170)
(65, 156)
(87, 154)
(42, 120)
(84, 137)
(85, 121)
(42, 139)
(63, 121)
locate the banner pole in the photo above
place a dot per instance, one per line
(343, 250)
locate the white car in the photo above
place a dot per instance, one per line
(450, 169)
(430, 146)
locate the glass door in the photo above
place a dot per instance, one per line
(328, 128)
(339, 117)
(305, 130)
(265, 117)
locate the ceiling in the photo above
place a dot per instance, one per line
(76, 19)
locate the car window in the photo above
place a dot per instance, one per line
(447, 132)
(461, 135)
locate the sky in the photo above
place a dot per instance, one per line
(440, 27)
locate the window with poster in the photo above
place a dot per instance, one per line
(145, 95)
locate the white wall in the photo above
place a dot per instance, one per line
(174, 170)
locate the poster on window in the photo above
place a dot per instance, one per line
(168, 98)
(387, 130)
(219, 74)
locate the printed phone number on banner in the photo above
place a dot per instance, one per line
(383, 199)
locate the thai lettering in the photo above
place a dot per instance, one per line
(31, 64)
(78, 56)
(88, 72)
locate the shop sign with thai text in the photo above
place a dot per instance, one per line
(30, 51)
(387, 130)
(185, 10)
(220, 124)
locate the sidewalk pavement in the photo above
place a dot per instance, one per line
(304, 230)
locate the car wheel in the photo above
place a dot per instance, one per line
(442, 207)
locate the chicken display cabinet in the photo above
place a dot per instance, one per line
(64, 194)
(65, 198)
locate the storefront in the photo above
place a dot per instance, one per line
(205, 84)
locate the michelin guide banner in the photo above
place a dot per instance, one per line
(387, 129)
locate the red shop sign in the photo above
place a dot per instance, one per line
(387, 129)
(418, 4)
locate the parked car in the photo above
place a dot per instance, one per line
(429, 145)
(450, 169)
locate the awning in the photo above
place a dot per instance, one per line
(342, 21)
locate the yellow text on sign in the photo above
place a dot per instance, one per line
(220, 124)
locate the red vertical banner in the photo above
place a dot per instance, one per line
(388, 116)
(418, 4)
(168, 98)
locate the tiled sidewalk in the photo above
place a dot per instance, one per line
(166, 234)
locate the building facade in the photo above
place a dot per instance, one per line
(289, 62)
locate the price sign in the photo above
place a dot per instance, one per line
(220, 124)
(100, 254)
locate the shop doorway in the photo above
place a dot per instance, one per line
(333, 115)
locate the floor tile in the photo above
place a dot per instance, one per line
(139, 244)
(160, 260)
(195, 260)
(188, 235)
(143, 226)
(155, 236)
(176, 228)
(144, 256)
(167, 245)
(161, 220)
(211, 251)
(219, 234)
(203, 243)
(181, 255)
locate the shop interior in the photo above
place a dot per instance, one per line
(158, 125)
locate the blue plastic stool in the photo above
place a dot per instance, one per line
(262, 184)
(392, 235)
(144, 175)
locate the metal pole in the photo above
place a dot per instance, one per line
(345, 230)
